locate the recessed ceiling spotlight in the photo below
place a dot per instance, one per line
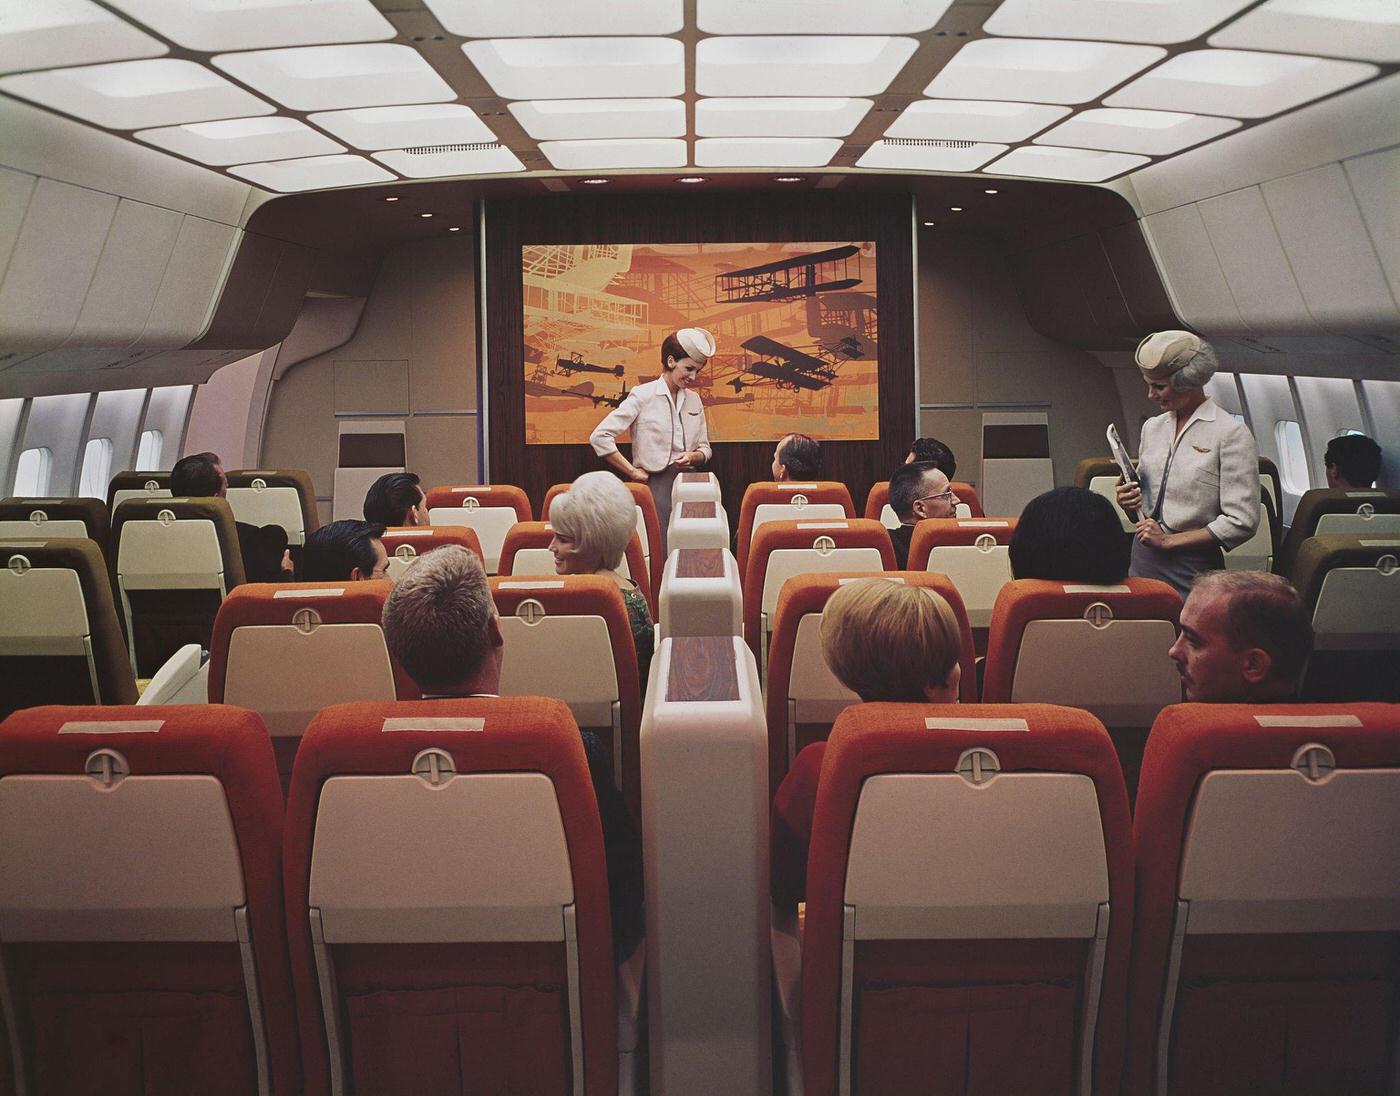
(691, 179)
(391, 198)
(787, 179)
(989, 192)
(455, 228)
(425, 214)
(955, 209)
(929, 224)
(593, 182)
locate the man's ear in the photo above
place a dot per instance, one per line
(356, 575)
(1256, 664)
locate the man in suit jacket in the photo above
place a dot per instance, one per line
(917, 491)
(263, 548)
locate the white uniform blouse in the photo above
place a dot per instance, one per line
(662, 430)
(1208, 475)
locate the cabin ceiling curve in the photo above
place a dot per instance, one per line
(298, 95)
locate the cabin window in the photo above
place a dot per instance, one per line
(33, 470)
(1292, 457)
(97, 468)
(148, 452)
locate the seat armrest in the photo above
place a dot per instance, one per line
(787, 984)
(184, 679)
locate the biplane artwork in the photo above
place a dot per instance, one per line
(796, 326)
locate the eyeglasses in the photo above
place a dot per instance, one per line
(948, 495)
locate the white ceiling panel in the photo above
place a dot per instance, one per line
(558, 68)
(431, 165)
(799, 65)
(375, 128)
(1153, 132)
(331, 77)
(136, 94)
(1238, 83)
(1078, 165)
(765, 151)
(578, 18)
(242, 140)
(315, 173)
(1039, 70)
(778, 117)
(606, 155)
(37, 35)
(1156, 21)
(819, 16)
(1365, 30)
(974, 120)
(214, 25)
(584, 119)
(896, 155)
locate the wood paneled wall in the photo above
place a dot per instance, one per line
(726, 218)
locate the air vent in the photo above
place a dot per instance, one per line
(433, 150)
(928, 142)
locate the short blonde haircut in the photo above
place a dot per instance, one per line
(597, 513)
(436, 618)
(888, 640)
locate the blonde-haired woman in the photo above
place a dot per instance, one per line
(593, 521)
(884, 641)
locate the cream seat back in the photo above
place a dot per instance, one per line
(978, 562)
(260, 504)
(490, 523)
(784, 511)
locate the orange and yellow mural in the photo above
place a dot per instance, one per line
(795, 324)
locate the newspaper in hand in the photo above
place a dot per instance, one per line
(1120, 455)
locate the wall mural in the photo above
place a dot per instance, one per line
(796, 326)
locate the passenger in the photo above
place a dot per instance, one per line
(917, 491)
(1245, 638)
(796, 457)
(262, 548)
(884, 641)
(593, 521)
(1353, 462)
(931, 449)
(1199, 468)
(396, 500)
(1070, 535)
(345, 551)
(440, 623)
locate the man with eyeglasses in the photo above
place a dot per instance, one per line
(917, 491)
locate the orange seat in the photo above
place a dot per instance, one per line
(490, 511)
(973, 552)
(532, 538)
(405, 544)
(969, 904)
(823, 494)
(141, 902)
(804, 697)
(648, 529)
(30, 518)
(447, 900)
(1266, 952)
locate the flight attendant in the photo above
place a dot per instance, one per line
(669, 433)
(1198, 466)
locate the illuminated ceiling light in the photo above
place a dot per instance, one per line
(1158, 21)
(594, 182)
(1039, 70)
(955, 209)
(455, 228)
(435, 161)
(600, 119)
(1363, 30)
(691, 179)
(67, 32)
(1150, 132)
(612, 155)
(1077, 165)
(425, 214)
(556, 68)
(313, 173)
(777, 152)
(377, 128)
(929, 224)
(912, 154)
(242, 140)
(991, 192)
(819, 16)
(522, 18)
(799, 64)
(222, 25)
(391, 199)
(334, 77)
(973, 120)
(778, 117)
(787, 179)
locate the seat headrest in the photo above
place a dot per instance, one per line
(494, 495)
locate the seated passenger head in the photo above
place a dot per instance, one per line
(396, 499)
(1070, 535)
(593, 521)
(890, 641)
(1353, 460)
(683, 353)
(1176, 366)
(198, 476)
(933, 450)
(441, 626)
(796, 457)
(1245, 636)
(919, 491)
(344, 551)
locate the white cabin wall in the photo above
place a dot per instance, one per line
(223, 408)
(58, 423)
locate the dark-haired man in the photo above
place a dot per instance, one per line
(396, 499)
(931, 449)
(262, 548)
(917, 491)
(1353, 462)
(796, 457)
(345, 551)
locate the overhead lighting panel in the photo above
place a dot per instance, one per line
(315, 173)
(607, 155)
(1039, 70)
(215, 25)
(799, 64)
(974, 120)
(577, 18)
(911, 154)
(1238, 83)
(241, 140)
(585, 119)
(434, 161)
(781, 117)
(136, 94)
(375, 128)
(1150, 132)
(819, 16)
(36, 35)
(1156, 21)
(557, 68)
(328, 77)
(1364, 30)
(765, 151)
(1077, 165)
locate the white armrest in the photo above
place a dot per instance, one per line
(787, 984)
(182, 680)
(631, 979)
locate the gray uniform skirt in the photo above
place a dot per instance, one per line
(661, 484)
(1177, 569)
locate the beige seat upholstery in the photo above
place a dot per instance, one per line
(136, 485)
(490, 511)
(973, 552)
(42, 518)
(275, 496)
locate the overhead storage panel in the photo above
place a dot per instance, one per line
(1375, 181)
(1137, 276)
(15, 190)
(1331, 254)
(123, 289)
(1249, 251)
(191, 281)
(1192, 274)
